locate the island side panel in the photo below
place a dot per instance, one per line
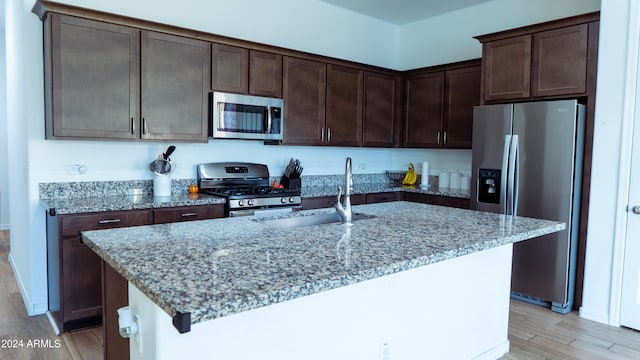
(430, 311)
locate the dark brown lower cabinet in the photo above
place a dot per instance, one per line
(74, 271)
(115, 294)
(383, 197)
(320, 202)
(437, 200)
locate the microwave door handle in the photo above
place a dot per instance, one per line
(267, 129)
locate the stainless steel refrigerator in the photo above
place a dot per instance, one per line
(527, 161)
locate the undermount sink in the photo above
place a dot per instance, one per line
(310, 220)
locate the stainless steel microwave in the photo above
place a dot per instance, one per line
(236, 116)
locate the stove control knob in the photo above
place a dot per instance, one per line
(241, 202)
(250, 202)
(283, 200)
(292, 199)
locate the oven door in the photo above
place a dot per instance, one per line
(275, 211)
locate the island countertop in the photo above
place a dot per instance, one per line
(213, 268)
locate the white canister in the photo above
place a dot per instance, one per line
(454, 180)
(465, 183)
(443, 180)
(161, 185)
(424, 181)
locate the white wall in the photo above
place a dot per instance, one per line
(449, 37)
(4, 158)
(24, 112)
(606, 160)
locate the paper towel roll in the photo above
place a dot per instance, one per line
(454, 180)
(465, 183)
(425, 174)
(443, 180)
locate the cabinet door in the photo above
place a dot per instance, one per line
(229, 68)
(344, 106)
(381, 93)
(265, 74)
(82, 295)
(91, 79)
(507, 68)
(560, 61)
(423, 110)
(188, 213)
(462, 88)
(304, 86)
(175, 87)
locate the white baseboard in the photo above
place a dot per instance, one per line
(494, 353)
(602, 318)
(32, 308)
(53, 323)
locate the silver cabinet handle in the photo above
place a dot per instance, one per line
(438, 137)
(445, 138)
(133, 126)
(109, 221)
(144, 126)
(321, 134)
(328, 134)
(636, 210)
(189, 214)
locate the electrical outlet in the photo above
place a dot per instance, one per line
(76, 169)
(385, 350)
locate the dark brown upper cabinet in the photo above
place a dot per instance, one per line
(439, 105)
(175, 87)
(107, 81)
(462, 93)
(265, 74)
(560, 61)
(343, 125)
(542, 61)
(92, 79)
(239, 70)
(382, 104)
(424, 96)
(229, 68)
(304, 93)
(507, 68)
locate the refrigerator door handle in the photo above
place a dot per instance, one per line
(514, 169)
(504, 189)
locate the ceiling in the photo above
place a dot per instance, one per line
(403, 11)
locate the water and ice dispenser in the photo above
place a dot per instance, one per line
(489, 185)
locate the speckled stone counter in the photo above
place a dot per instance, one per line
(213, 268)
(79, 205)
(368, 188)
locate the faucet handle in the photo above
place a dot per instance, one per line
(339, 193)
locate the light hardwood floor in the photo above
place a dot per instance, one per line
(535, 333)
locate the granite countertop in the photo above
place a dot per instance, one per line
(213, 268)
(369, 188)
(116, 203)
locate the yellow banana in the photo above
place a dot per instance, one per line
(411, 177)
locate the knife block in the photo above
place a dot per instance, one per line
(293, 183)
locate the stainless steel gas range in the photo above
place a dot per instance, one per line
(246, 188)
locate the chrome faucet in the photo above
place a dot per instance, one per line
(345, 210)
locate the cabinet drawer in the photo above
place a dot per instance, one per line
(328, 201)
(383, 197)
(187, 213)
(71, 225)
(437, 200)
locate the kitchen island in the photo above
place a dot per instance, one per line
(411, 281)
